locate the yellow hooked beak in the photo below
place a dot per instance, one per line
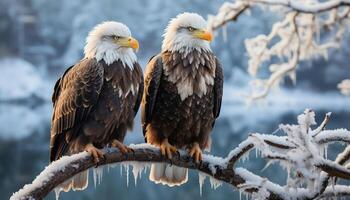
(203, 34)
(128, 42)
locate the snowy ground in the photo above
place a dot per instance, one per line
(21, 80)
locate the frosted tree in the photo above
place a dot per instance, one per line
(301, 151)
(307, 29)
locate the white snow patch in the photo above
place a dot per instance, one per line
(143, 146)
(214, 161)
(32, 120)
(20, 79)
(47, 174)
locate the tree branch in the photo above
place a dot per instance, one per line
(299, 152)
(306, 8)
(65, 168)
(291, 41)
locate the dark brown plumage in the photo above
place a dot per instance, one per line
(94, 103)
(181, 121)
(182, 99)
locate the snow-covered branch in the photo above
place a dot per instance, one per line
(68, 166)
(302, 152)
(307, 30)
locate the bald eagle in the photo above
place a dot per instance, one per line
(95, 101)
(182, 95)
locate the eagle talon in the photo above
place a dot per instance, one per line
(96, 153)
(196, 152)
(167, 149)
(122, 147)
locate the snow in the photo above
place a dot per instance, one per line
(337, 135)
(143, 146)
(330, 190)
(299, 161)
(47, 174)
(239, 149)
(343, 155)
(214, 161)
(292, 39)
(281, 103)
(31, 120)
(308, 118)
(20, 80)
(307, 151)
(254, 181)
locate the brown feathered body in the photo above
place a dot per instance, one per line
(182, 99)
(94, 103)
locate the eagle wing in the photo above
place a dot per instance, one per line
(218, 88)
(75, 94)
(153, 74)
(140, 89)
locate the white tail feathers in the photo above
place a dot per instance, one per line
(167, 174)
(78, 182)
(81, 181)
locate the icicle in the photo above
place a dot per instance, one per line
(240, 194)
(100, 175)
(214, 183)
(94, 176)
(97, 174)
(201, 179)
(57, 192)
(326, 151)
(268, 164)
(137, 168)
(121, 170)
(224, 32)
(333, 184)
(245, 157)
(127, 174)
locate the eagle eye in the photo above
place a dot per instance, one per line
(191, 29)
(116, 37)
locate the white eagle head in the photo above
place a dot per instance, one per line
(111, 41)
(185, 32)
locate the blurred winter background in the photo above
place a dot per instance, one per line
(39, 39)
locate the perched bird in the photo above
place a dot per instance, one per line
(96, 100)
(182, 95)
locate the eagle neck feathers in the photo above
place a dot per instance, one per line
(109, 54)
(193, 72)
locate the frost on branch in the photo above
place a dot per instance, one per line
(307, 29)
(301, 152)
